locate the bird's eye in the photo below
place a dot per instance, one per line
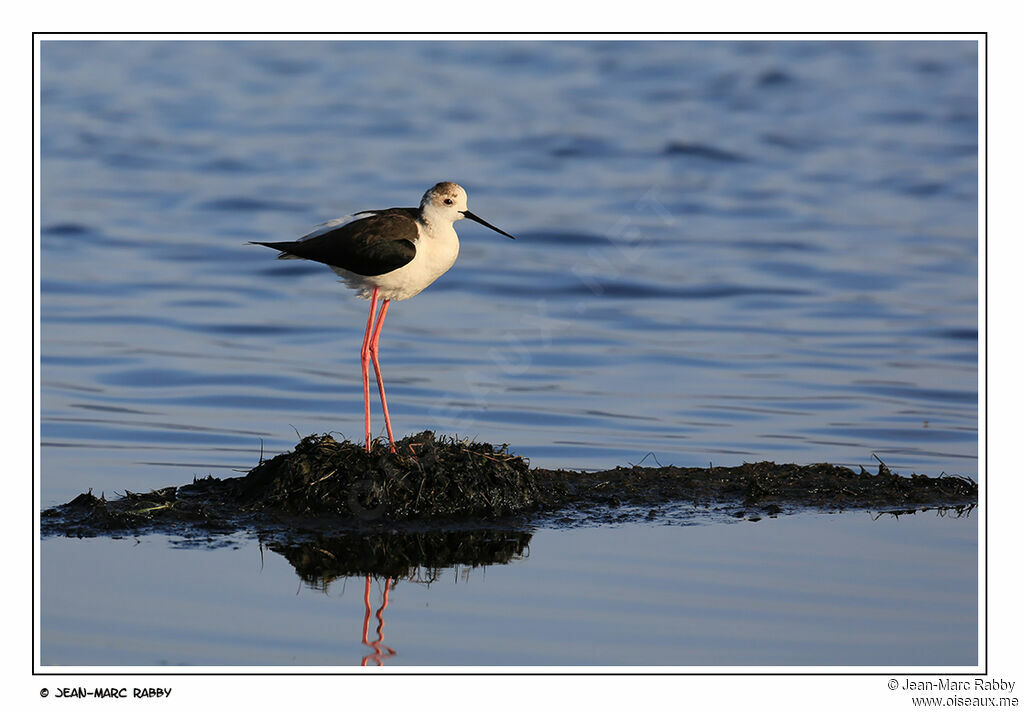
(448, 201)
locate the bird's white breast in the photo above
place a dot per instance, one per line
(437, 248)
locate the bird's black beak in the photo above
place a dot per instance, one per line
(483, 222)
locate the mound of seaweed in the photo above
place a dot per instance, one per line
(207, 505)
(427, 477)
(765, 486)
(330, 486)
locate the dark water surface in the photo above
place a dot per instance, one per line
(728, 252)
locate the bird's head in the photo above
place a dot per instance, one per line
(448, 202)
(445, 199)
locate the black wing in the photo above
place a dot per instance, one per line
(379, 243)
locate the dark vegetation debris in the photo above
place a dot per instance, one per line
(426, 478)
(328, 486)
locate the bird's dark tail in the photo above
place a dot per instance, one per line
(284, 247)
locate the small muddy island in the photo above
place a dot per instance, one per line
(328, 487)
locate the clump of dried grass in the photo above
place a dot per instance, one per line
(427, 477)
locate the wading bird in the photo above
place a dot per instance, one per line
(391, 254)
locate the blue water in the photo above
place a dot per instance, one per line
(727, 252)
(801, 590)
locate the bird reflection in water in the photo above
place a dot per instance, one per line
(414, 556)
(381, 652)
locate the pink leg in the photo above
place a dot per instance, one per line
(378, 655)
(364, 358)
(374, 344)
